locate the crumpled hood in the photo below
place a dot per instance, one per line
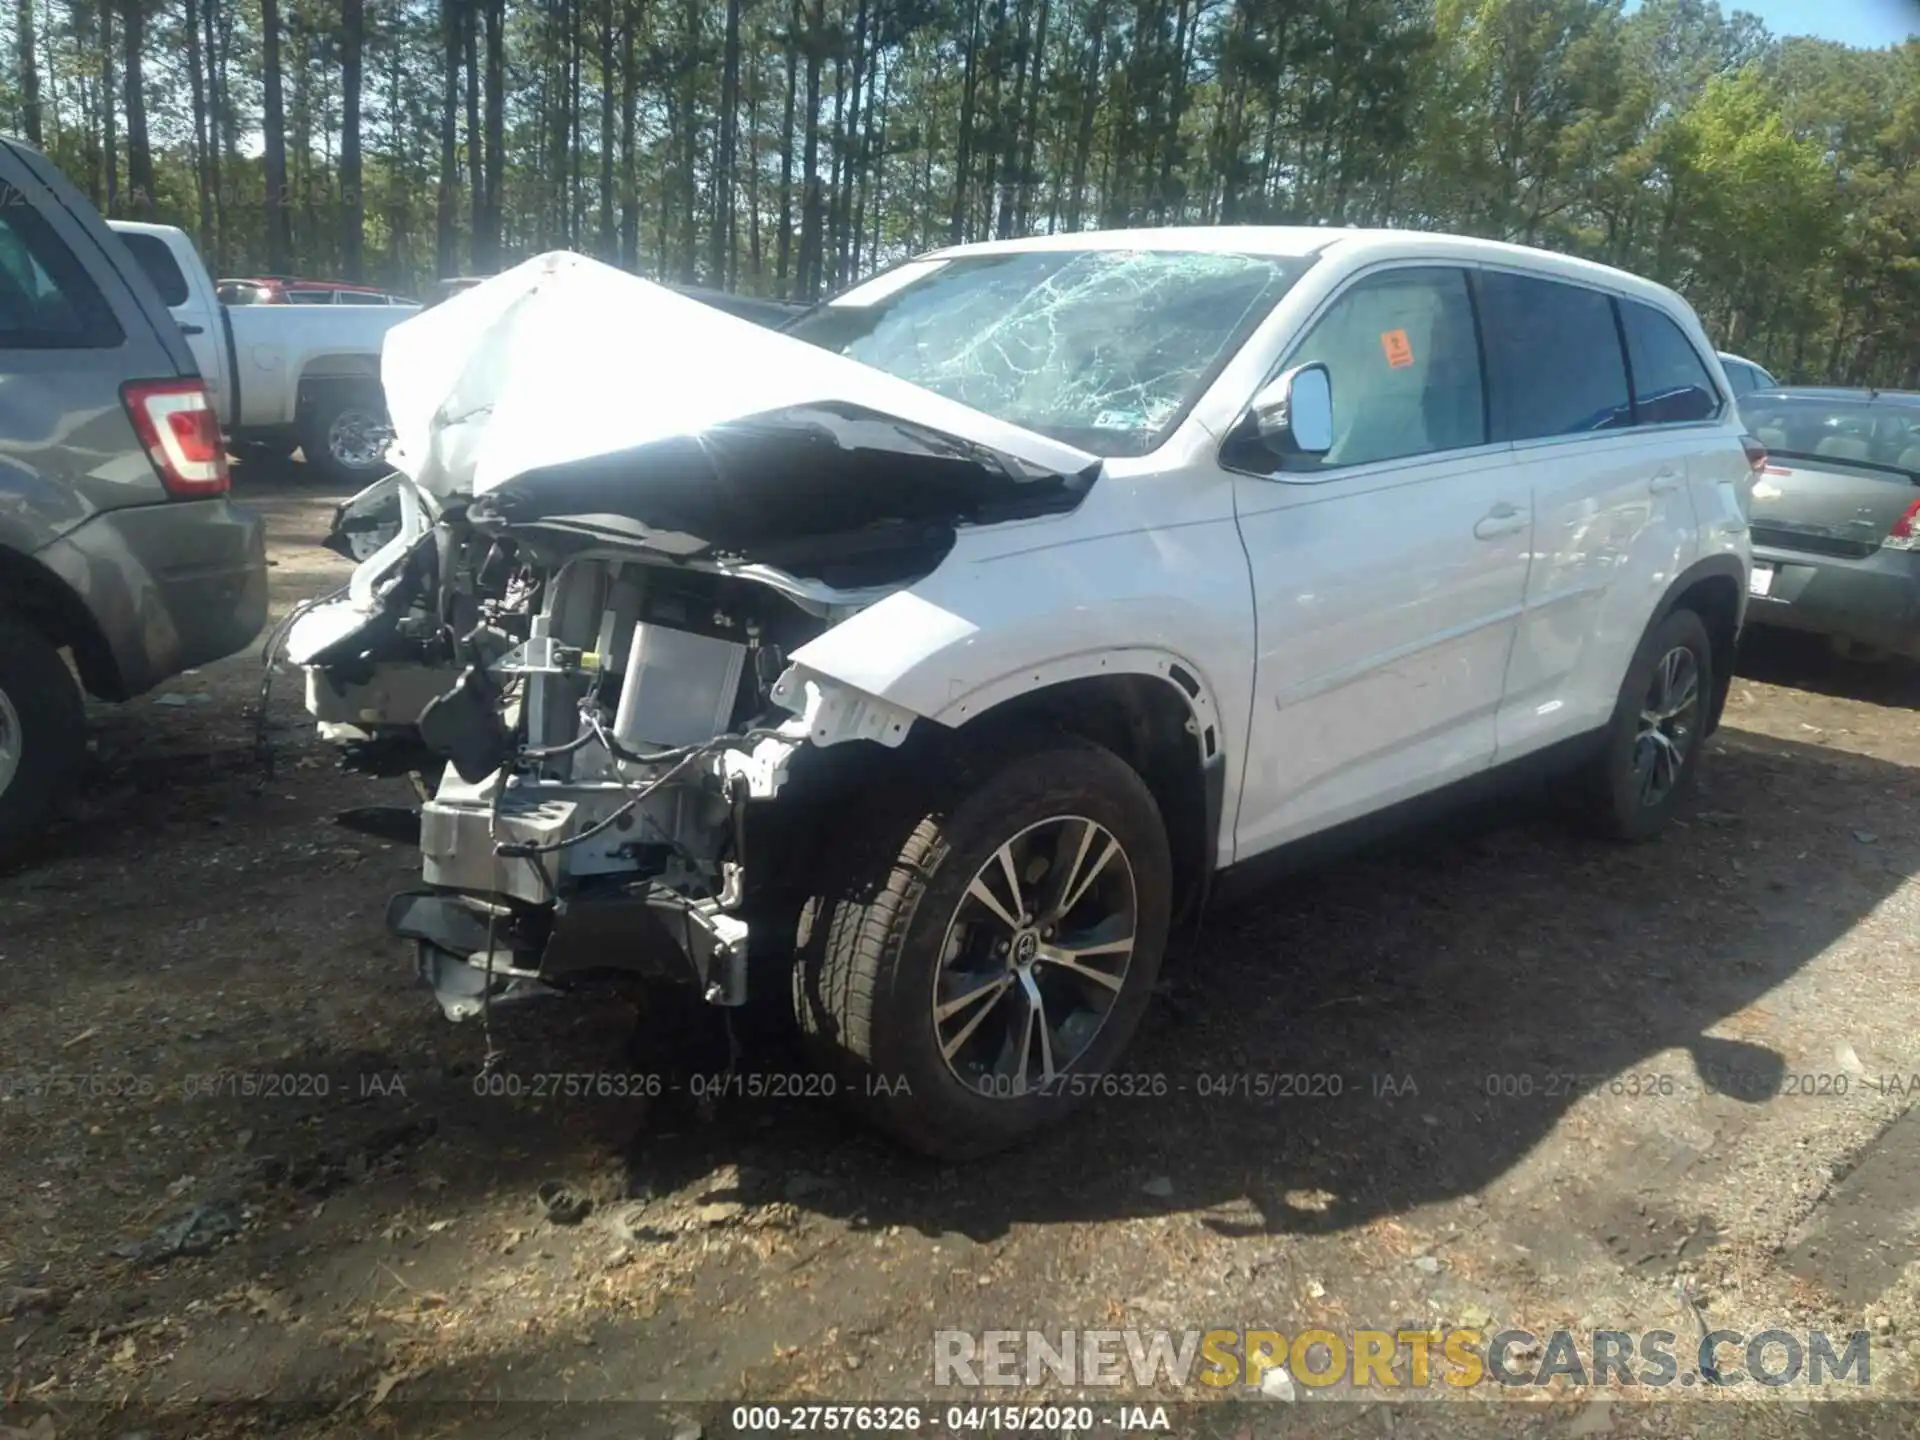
(563, 359)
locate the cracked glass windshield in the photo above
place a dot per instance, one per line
(1103, 349)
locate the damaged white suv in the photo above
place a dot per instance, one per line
(930, 662)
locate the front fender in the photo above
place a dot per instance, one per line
(975, 634)
(1172, 603)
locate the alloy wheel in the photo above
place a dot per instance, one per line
(1035, 957)
(358, 439)
(1669, 725)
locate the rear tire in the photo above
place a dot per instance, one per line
(42, 736)
(344, 431)
(1650, 758)
(906, 930)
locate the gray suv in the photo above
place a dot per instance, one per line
(118, 544)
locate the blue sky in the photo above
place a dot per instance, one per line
(1869, 23)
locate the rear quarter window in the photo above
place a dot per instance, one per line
(162, 269)
(48, 301)
(1553, 358)
(1671, 383)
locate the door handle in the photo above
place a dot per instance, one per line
(186, 329)
(1663, 481)
(1501, 520)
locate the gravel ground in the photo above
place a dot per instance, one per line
(1547, 1084)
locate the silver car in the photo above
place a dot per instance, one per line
(118, 543)
(1836, 517)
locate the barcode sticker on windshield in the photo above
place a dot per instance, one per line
(1398, 348)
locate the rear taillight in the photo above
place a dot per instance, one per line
(1901, 536)
(175, 420)
(1756, 453)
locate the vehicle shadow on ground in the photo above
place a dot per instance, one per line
(1442, 1005)
(1403, 1028)
(1379, 1034)
(1385, 1033)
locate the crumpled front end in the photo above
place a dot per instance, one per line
(583, 593)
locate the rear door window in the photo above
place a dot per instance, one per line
(1555, 366)
(1671, 385)
(47, 299)
(157, 260)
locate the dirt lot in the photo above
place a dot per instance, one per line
(245, 1160)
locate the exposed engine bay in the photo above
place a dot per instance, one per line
(602, 651)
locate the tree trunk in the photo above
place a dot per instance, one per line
(1009, 120)
(445, 236)
(609, 239)
(476, 141)
(720, 243)
(202, 145)
(397, 187)
(29, 75)
(1089, 105)
(577, 201)
(109, 144)
(220, 129)
(1176, 111)
(809, 261)
(755, 259)
(786, 150)
(1031, 124)
(849, 161)
(279, 220)
(629, 162)
(487, 245)
(963, 155)
(133, 36)
(352, 202)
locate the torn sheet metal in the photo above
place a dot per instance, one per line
(564, 359)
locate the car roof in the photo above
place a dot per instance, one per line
(1905, 399)
(1308, 241)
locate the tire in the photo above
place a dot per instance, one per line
(876, 945)
(1613, 797)
(337, 426)
(42, 736)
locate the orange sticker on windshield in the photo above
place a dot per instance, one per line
(1399, 349)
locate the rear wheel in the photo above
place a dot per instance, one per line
(344, 432)
(42, 735)
(990, 954)
(1651, 755)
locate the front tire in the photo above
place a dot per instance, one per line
(1650, 758)
(42, 736)
(989, 954)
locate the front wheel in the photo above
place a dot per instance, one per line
(1651, 754)
(973, 977)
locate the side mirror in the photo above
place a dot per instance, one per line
(1293, 413)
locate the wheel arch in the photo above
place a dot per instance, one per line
(1151, 708)
(1160, 720)
(1714, 588)
(34, 594)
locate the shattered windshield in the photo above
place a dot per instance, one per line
(1103, 349)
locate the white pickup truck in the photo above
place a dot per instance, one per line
(282, 375)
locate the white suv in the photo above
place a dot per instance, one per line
(926, 666)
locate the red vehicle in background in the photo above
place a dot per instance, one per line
(292, 290)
